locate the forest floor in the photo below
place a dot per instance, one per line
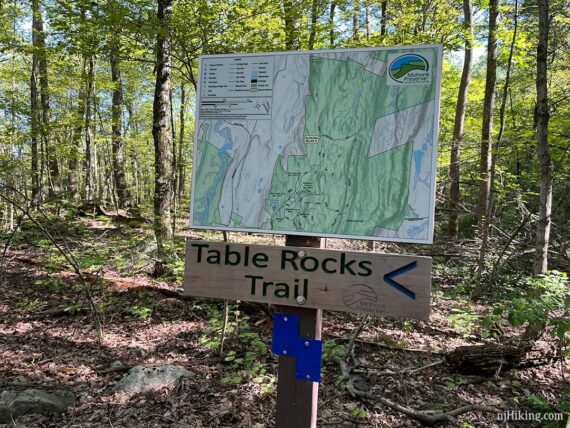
(47, 340)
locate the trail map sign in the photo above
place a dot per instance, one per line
(361, 282)
(324, 143)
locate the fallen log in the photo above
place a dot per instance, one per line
(488, 359)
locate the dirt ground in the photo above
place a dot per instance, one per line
(48, 341)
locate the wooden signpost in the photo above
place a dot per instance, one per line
(301, 280)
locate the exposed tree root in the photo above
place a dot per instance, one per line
(425, 417)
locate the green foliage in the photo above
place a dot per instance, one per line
(463, 321)
(545, 300)
(143, 307)
(28, 305)
(246, 348)
(332, 349)
(53, 285)
(74, 308)
(359, 413)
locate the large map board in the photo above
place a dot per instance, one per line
(339, 143)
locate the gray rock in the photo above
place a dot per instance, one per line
(18, 403)
(145, 379)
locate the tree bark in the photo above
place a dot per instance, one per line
(454, 166)
(331, 23)
(162, 144)
(38, 41)
(87, 161)
(118, 143)
(314, 18)
(292, 25)
(546, 167)
(384, 18)
(367, 19)
(502, 108)
(180, 175)
(78, 132)
(486, 141)
(34, 123)
(355, 19)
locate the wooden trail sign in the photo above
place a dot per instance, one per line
(360, 282)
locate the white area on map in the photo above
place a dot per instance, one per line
(399, 128)
(365, 58)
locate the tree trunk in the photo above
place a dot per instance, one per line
(486, 141)
(355, 19)
(180, 175)
(546, 167)
(38, 41)
(118, 143)
(454, 166)
(292, 25)
(502, 108)
(174, 204)
(88, 98)
(331, 23)
(162, 144)
(34, 125)
(314, 18)
(78, 133)
(383, 19)
(367, 19)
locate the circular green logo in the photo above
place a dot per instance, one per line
(409, 68)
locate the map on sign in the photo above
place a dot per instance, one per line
(324, 143)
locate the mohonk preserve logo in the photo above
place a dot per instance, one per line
(409, 69)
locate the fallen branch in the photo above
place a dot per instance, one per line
(425, 417)
(395, 348)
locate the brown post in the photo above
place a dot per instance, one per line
(297, 399)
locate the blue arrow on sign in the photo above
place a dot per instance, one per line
(388, 279)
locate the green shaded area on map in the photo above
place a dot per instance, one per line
(335, 187)
(210, 175)
(237, 219)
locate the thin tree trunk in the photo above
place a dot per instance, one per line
(78, 132)
(367, 19)
(505, 93)
(454, 165)
(88, 98)
(506, 87)
(546, 166)
(331, 23)
(118, 143)
(383, 19)
(161, 136)
(292, 25)
(174, 204)
(355, 19)
(180, 175)
(34, 125)
(486, 144)
(314, 18)
(38, 40)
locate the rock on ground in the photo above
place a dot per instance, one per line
(18, 403)
(145, 379)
